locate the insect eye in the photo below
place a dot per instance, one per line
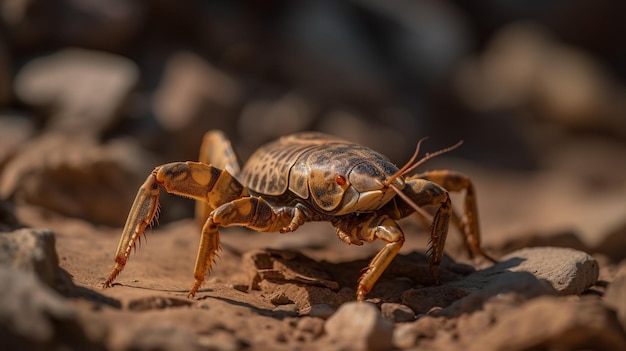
(340, 180)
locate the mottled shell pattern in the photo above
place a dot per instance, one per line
(319, 166)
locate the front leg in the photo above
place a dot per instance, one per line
(468, 223)
(251, 212)
(190, 179)
(353, 229)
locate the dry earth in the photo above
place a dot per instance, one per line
(95, 94)
(296, 291)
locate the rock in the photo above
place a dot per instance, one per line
(359, 326)
(423, 300)
(280, 298)
(31, 251)
(309, 328)
(288, 309)
(321, 310)
(35, 317)
(77, 177)
(397, 312)
(83, 91)
(615, 298)
(550, 323)
(407, 335)
(570, 272)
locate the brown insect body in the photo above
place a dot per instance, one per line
(326, 175)
(305, 177)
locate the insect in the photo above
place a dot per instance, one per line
(306, 177)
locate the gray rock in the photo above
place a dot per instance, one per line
(569, 271)
(31, 251)
(359, 326)
(35, 317)
(397, 312)
(84, 91)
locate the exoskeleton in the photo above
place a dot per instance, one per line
(306, 177)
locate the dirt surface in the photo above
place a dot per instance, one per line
(94, 95)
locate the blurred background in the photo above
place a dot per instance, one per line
(94, 94)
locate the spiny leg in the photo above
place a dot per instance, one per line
(468, 223)
(370, 229)
(420, 193)
(217, 151)
(190, 179)
(143, 211)
(251, 212)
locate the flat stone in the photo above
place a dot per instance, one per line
(569, 271)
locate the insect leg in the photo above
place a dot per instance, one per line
(468, 223)
(369, 229)
(251, 212)
(217, 151)
(418, 193)
(142, 213)
(190, 179)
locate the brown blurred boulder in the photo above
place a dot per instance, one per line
(83, 92)
(77, 177)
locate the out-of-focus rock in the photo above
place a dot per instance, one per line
(77, 177)
(358, 326)
(524, 66)
(407, 335)
(31, 251)
(35, 317)
(83, 92)
(192, 98)
(549, 323)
